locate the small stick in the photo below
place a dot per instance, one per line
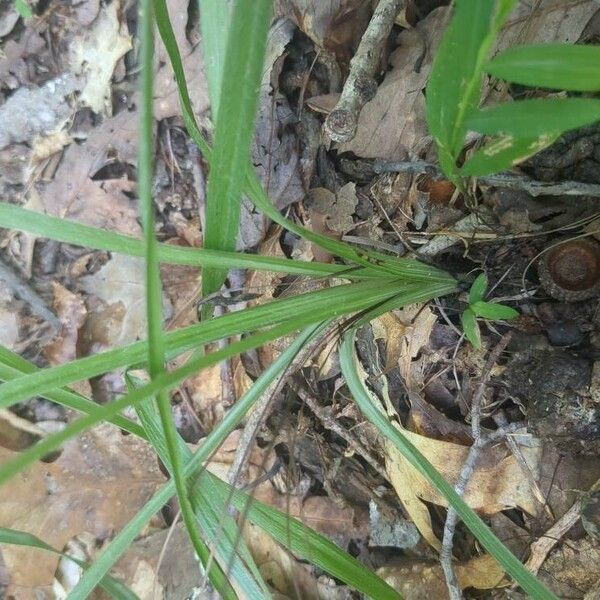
(506, 180)
(334, 426)
(541, 547)
(479, 442)
(360, 87)
(237, 471)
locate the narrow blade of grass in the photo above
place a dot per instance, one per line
(62, 230)
(454, 84)
(557, 66)
(504, 153)
(296, 312)
(386, 265)
(231, 420)
(290, 533)
(490, 542)
(242, 70)
(538, 117)
(154, 318)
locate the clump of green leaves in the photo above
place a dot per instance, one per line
(478, 307)
(519, 129)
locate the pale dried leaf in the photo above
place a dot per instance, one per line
(9, 327)
(497, 482)
(419, 580)
(122, 280)
(99, 482)
(94, 54)
(38, 111)
(75, 195)
(393, 123)
(329, 24)
(285, 573)
(166, 100)
(392, 331)
(71, 311)
(418, 321)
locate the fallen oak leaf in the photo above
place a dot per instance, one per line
(97, 485)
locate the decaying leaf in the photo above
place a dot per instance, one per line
(335, 25)
(393, 123)
(99, 482)
(76, 194)
(166, 103)
(71, 311)
(94, 54)
(497, 482)
(287, 575)
(418, 580)
(121, 282)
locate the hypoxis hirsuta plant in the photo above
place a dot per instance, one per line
(516, 129)
(376, 283)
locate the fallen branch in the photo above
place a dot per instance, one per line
(360, 87)
(505, 180)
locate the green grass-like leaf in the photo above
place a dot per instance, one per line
(557, 66)
(539, 117)
(242, 71)
(454, 85)
(471, 327)
(478, 289)
(503, 153)
(296, 312)
(495, 312)
(23, 9)
(489, 541)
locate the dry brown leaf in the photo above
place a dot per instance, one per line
(121, 281)
(547, 21)
(178, 574)
(318, 512)
(38, 111)
(97, 485)
(497, 482)
(418, 321)
(393, 123)
(93, 55)
(206, 392)
(391, 330)
(287, 575)
(16, 433)
(73, 194)
(71, 311)
(335, 25)
(422, 581)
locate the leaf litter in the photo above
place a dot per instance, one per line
(77, 159)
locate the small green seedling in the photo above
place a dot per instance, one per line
(478, 307)
(23, 9)
(514, 130)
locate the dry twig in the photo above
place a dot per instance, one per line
(331, 424)
(479, 442)
(505, 180)
(360, 87)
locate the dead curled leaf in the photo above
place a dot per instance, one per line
(417, 580)
(497, 482)
(99, 482)
(94, 53)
